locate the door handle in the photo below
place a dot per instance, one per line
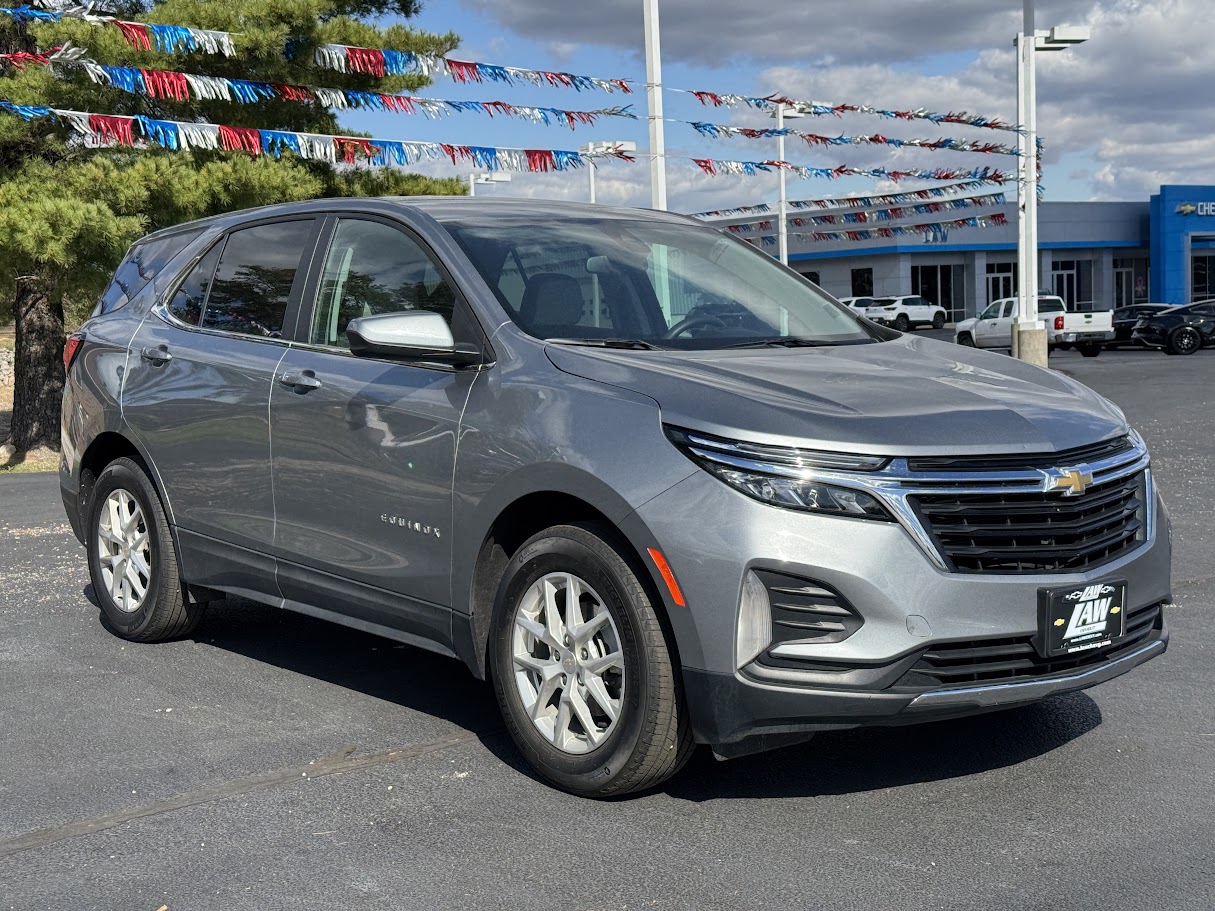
(159, 355)
(300, 382)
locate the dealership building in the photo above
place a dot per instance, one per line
(1095, 255)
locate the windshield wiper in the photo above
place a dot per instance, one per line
(635, 344)
(784, 341)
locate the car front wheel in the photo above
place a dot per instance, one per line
(132, 561)
(581, 666)
(966, 340)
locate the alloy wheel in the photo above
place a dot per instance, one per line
(124, 550)
(568, 663)
(1186, 341)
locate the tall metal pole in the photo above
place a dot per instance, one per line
(472, 184)
(783, 231)
(653, 90)
(1030, 343)
(590, 176)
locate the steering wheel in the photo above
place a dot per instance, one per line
(691, 322)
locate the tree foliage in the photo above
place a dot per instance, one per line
(68, 212)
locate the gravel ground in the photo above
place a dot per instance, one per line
(274, 761)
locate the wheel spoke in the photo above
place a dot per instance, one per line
(561, 726)
(115, 526)
(106, 534)
(573, 604)
(594, 686)
(532, 663)
(537, 630)
(586, 630)
(119, 570)
(552, 616)
(126, 592)
(141, 564)
(583, 712)
(544, 695)
(134, 582)
(597, 666)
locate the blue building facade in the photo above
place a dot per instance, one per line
(1183, 244)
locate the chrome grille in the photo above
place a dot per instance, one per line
(1037, 532)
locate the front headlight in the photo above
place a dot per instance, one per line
(783, 476)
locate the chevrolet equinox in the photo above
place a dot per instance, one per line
(657, 488)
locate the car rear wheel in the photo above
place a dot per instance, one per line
(1090, 349)
(132, 560)
(966, 340)
(581, 667)
(902, 323)
(938, 320)
(1185, 340)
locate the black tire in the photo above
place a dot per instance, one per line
(165, 611)
(1089, 349)
(652, 737)
(902, 323)
(1185, 340)
(1064, 346)
(966, 340)
(938, 320)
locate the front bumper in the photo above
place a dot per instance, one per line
(727, 708)
(908, 606)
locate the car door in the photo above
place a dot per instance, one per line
(364, 449)
(993, 330)
(919, 310)
(1202, 318)
(197, 391)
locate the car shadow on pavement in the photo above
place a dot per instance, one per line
(834, 762)
(867, 759)
(410, 677)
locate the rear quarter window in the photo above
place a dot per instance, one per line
(141, 264)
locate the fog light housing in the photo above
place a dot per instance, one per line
(754, 621)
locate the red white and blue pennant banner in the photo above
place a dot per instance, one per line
(168, 39)
(383, 62)
(854, 202)
(830, 109)
(715, 167)
(865, 217)
(930, 228)
(181, 136)
(182, 86)
(721, 130)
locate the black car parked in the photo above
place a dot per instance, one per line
(1126, 318)
(1179, 330)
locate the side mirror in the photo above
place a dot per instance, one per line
(411, 335)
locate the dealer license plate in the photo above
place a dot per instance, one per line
(1082, 617)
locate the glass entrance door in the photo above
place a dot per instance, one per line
(1124, 287)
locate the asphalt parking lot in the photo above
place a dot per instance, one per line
(274, 761)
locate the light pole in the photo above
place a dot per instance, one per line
(592, 149)
(1030, 337)
(653, 91)
(486, 177)
(782, 113)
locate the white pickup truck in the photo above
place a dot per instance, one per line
(1088, 331)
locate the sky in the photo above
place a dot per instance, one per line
(1119, 115)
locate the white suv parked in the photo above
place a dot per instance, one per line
(859, 305)
(906, 312)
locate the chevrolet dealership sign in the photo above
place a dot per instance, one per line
(1196, 208)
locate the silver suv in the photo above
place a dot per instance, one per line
(655, 487)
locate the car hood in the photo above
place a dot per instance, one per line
(909, 396)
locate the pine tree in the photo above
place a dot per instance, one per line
(69, 212)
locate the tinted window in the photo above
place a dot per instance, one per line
(374, 268)
(992, 312)
(141, 265)
(1051, 306)
(1203, 310)
(253, 282)
(188, 300)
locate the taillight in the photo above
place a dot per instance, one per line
(1058, 324)
(70, 349)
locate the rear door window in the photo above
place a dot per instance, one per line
(188, 300)
(142, 263)
(253, 282)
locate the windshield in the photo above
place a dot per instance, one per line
(668, 285)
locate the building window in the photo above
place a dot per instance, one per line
(1202, 278)
(862, 283)
(944, 286)
(1001, 281)
(813, 276)
(1072, 280)
(1131, 280)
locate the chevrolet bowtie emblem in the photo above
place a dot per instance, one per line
(1071, 481)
